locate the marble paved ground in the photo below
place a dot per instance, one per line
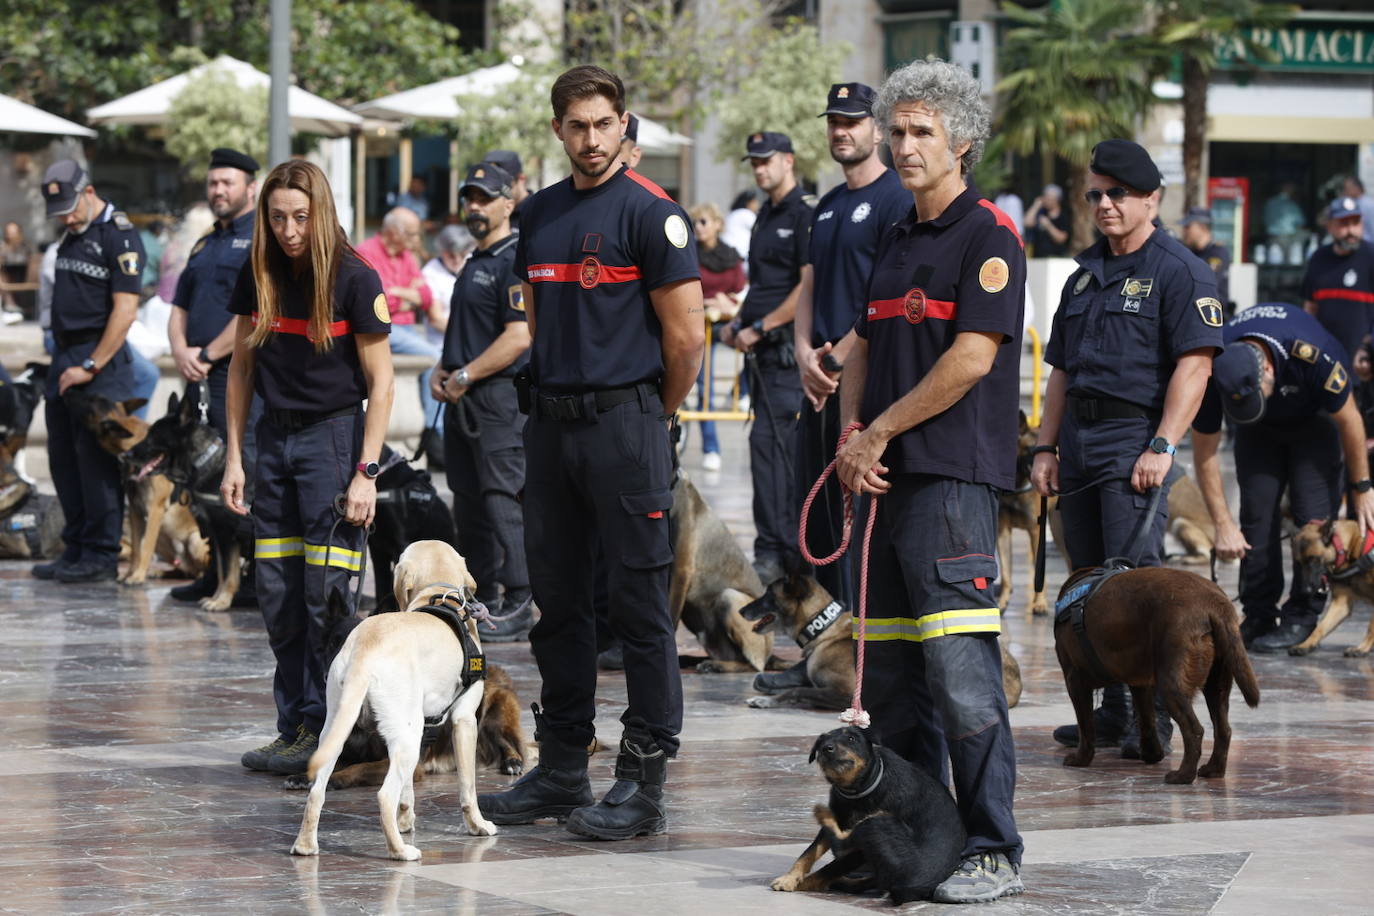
(124, 715)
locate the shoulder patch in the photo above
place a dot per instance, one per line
(515, 297)
(1210, 310)
(195, 249)
(380, 310)
(810, 200)
(1214, 263)
(128, 262)
(993, 275)
(1335, 382)
(1083, 279)
(675, 229)
(1305, 351)
(121, 220)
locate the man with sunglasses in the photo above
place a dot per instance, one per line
(1131, 349)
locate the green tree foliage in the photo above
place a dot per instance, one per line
(780, 93)
(213, 111)
(1077, 72)
(516, 117)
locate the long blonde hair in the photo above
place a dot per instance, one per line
(271, 266)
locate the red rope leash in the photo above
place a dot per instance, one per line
(855, 714)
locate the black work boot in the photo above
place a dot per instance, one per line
(778, 681)
(1164, 728)
(556, 787)
(635, 803)
(1110, 720)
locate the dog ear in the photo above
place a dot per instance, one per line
(113, 429)
(1025, 422)
(815, 749)
(133, 404)
(173, 402)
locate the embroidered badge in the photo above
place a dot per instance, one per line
(914, 305)
(675, 229)
(1137, 287)
(1082, 283)
(380, 310)
(591, 243)
(993, 275)
(54, 189)
(1131, 305)
(128, 262)
(861, 212)
(1214, 263)
(1335, 382)
(591, 273)
(1350, 277)
(1210, 310)
(842, 92)
(516, 297)
(1305, 351)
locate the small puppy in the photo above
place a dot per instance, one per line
(1315, 548)
(884, 814)
(402, 668)
(1159, 629)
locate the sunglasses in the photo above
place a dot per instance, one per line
(1116, 195)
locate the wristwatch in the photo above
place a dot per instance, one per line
(1045, 450)
(757, 326)
(1161, 446)
(89, 365)
(370, 469)
(461, 377)
(830, 364)
(1362, 486)
(205, 357)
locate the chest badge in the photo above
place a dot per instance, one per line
(380, 310)
(1350, 277)
(784, 233)
(914, 306)
(1210, 310)
(1137, 287)
(1082, 283)
(861, 212)
(1305, 351)
(590, 274)
(591, 243)
(1131, 305)
(1214, 263)
(993, 275)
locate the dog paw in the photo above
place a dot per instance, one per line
(1356, 652)
(1077, 759)
(787, 882)
(297, 781)
(709, 667)
(1040, 609)
(213, 603)
(480, 827)
(406, 853)
(1303, 650)
(305, 849)
(513, 766)
(761, 702)
(1179, 777)
(1211, 770)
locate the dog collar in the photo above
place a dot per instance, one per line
(820, 623)
(877, 778)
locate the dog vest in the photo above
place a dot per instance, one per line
(1070, 608)
(1363, 563)
(820, 623)
(25, 518)
(474, 662)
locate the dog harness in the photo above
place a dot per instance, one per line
(1361, 564)
(455, 609)
(1070, 609)
(820, 623)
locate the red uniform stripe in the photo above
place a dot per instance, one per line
(646, 184)
(879, 309)
(1352, 294)
(572, 273)
(1003, 220)
(302, 327)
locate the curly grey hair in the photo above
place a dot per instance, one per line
(950, 90)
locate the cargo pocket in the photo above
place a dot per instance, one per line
(966, 594)
(645, 544)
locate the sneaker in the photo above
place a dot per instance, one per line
(296, 758)
(88, 571)
(981, 879)
(257, 758)
(13, 317)
(710, 461)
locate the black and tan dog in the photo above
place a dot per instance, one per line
(30, 522)
(1332, 550)
(1156, 630)
(409, 509)
(19, 400)
(885, 815)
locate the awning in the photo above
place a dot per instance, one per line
(23, 118)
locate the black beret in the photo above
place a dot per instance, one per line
(1127, 162)
(224, 158)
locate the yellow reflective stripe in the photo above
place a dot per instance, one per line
(341, 557)
(277, 548)
(928, 626)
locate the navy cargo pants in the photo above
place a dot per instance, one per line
(300, 470)
(776, 399)
(602, 477)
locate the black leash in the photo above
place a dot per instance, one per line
(329, 548)
(433, 424)
(1040, 546)
(1136, 545)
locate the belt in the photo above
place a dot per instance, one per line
(575, 405)
(67, 339)
(299, 419)
(1090, 410)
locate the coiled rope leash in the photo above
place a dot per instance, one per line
(855, 714)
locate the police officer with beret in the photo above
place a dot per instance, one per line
(200, 327)
(763, 330)
(612, 293)
(1131, 345)
(630, 153)
(1283, 380)
(484, 346)
(95, 300)
(1197, 235)
(1339, 284)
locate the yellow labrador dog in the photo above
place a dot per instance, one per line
(399, 669)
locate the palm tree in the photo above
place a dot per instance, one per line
(1077, 72)
(1191, 30)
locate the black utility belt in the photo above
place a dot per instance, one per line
(299, 419)
(1090, 410)
(67, 339)
(569, 405)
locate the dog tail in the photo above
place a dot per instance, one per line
(1226, 633)
(340, 721)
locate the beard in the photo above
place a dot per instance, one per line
(593, 171)
(478, 225)
(226, 207)
(1346, 246)
(858, 154)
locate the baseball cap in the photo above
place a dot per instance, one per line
(767, 143)
(1197, 215)
(1127, 162)
(1237, 372)
(489, 178)
(508, 160)
(851, 100)
(62, 185)
(1343, 208)
(225, 158)
(632, 129)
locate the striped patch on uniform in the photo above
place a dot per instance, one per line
(278, 548)
(351, 560)
(86, 268)
(929, 626)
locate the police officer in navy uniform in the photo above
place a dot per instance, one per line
(311, 340)
(1283, 380)
(763, 330)
(844, 235)
(1339, 284)
(95, 300)
(484, 346)
(612, 294)
(1131, 345)
(934, 377)
(1197, 235)
(200, 327)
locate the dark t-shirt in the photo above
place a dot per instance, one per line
(844, 239)
(1042, 244)
(1218, 257)
(486, 298)
(1342, 286)
(777, 251)
(204, 287)
(592, 257)
(965, 270)
(91, 267)
(290, 374)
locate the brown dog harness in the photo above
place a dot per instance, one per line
(1071, 607)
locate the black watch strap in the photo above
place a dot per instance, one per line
(1362, 486)
(1045, 450)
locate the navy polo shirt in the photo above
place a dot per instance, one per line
(844, 240)
(1342, 286)
(592, 257)
(1311, 371)
(965, 270)
(1218, 257)
(486, 298)
(778, 248)
(1123, 321)
(91, 267)
(289, 374)
(204, 287)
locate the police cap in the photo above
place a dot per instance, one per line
(767, 143)
(508, 160)
(225, 158)
(1127, 162)
(1343, 208)
(489, 178)
(62, 185)
(1197, 215)
(850, 100)
(1237, 373)
(632, 130)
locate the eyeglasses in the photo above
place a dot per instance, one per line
(1116, 195)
